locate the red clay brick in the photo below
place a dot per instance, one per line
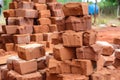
(72, 39)
(63, 53)
(37, 37)
(26, 5)
(83, 67)
(24, 67)
(41, 28)
(21, 39)
(28, 13)
(44, 21)
(31, 51)
(75, 9)
(40, 7)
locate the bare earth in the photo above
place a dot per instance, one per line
(108, 33)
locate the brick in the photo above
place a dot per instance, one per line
(21, 39)
(116, 41)
(60, 67)
(44, 21)
(12, 75)
(28, 13)
(59, 21)
(117, 53)
(9, 13)
(63, 53)
(21, 0)
(41, 63)
(57, 38)
(57, 13)
(37, 37)
(76, 23)
(72, 39)
(44, 43)
(10, 29)
(7, 38)
(101, 75)
(41, 28)
(51, 1)
(116, 63)
(40, 7)
(4, 72)
(54, 38)
(53, 28)
(51, 62)
(9, 46)
(24, 21)
(26, 5)
(89, 37)
(107, 48)
(47, 37)
(71, 77)
(88, 21)
(24, 67)
(11, 21)
(54, 5)
(88, 52)
(13, 5)
(76, 9)
(27, 0)
(44, 14)
(39, 1)
(10, 60)
(52, 77)
(100, 63)
(25, 29)
(109, 60)
(83, 67)
(65, 67)
(31, 51)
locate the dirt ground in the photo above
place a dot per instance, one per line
(108, 33)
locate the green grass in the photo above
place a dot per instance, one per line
(108, 20)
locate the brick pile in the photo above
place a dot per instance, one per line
(35, 25)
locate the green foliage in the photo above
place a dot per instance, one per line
(65, 1)
(105, 3)
(6, 4)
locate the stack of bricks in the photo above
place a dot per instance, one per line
(24, 67)
(116, 41)
(34, 25)
(31, 21)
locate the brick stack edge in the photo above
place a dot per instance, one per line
(55, 42)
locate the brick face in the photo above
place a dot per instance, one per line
(31, 51)
(41, 28)
(9, 13)
(21, 39)
(39, 1)
(62, 53)
(72, 39)
(76, 9)
(40, 6)
(28, 13)
(23, 67)
(37, 37)
(44, 14)
(44, 21)
(87, 52)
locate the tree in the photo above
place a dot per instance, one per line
(118, 9)
(95, 14)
